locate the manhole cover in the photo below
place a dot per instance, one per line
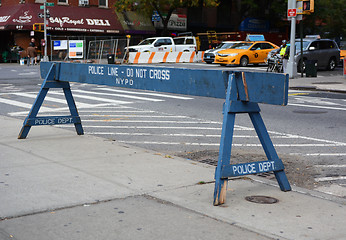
(261, 199)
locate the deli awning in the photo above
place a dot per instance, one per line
(62, 18)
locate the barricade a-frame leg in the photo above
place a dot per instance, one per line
(224, 169)
(52, 81)
(269, 149)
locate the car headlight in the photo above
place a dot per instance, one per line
(227, 55)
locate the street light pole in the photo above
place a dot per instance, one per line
(45, 57)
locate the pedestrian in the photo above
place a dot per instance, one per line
(285, 54)
(32, 54)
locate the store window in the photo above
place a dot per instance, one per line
(103, 3)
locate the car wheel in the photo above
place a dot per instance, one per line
(208, 62)
(331, 64)
(244, 61)
(223, 65)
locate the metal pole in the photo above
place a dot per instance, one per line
(290, 67)
(301, 48)
(45, 57)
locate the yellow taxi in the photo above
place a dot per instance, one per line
(245, 53)
(342, 51)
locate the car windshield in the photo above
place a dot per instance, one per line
(147, 41)
(226, 45)
(241, 46)
(305, 45)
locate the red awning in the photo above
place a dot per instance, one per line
(62, 18)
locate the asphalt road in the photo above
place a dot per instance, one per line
(308, 134)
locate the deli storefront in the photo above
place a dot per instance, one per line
(16, 25)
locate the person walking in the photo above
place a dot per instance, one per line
(32, 54)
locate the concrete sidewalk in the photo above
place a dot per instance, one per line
(57, 185)
(332, 81)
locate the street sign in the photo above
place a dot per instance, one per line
(47, 10)
(47, 4)
(292, 12)
(155, 17)
(41, 15)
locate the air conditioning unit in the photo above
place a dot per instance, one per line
(83, 2)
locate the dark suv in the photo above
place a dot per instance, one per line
(324, 51)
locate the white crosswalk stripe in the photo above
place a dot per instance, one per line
(18, 103)
(85, 99)
(51, 99)
(120, 95)
(146, 93)
(94, 98)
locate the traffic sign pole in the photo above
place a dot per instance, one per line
(45, 57)
(290, 65)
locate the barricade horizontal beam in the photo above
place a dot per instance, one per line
(256, 87)
(209, 83)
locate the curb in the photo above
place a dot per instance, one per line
(309, 88)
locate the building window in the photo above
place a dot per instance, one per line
(63, 2)
(103, 3)
(83, 2)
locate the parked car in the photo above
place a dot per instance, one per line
(209, 55)
(324, 51)
(165, 44)
(245, 53)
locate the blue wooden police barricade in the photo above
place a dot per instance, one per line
(242, 91)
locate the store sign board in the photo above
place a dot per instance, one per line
(76, 49)
(60, 45)
(176, 22)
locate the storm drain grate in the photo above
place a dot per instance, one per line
(269, 175)
(208, 161)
